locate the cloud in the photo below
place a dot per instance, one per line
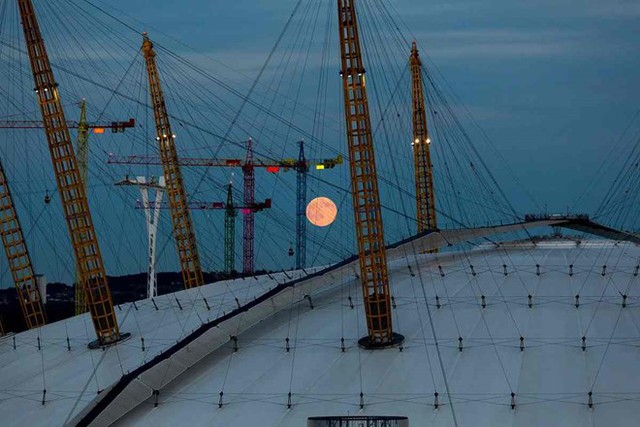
(495, 43)
(612, 9)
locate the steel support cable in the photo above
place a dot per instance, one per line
(92, 375)
(467, 139)
(78, 43)
(462, 166)
(321, 93)
(456, 202)
(393, 25)
(318, 131)
(483, 132)
(375, 52)
(376, 89)
(606, 349)
(599, 303)
(625, 171)
(466, 255)
(260, 73)
(57, 42)
(445, 135)
(435, 339)
(301, 73)
(433, 331)
(610, 153)
(295, 349)
(281, 69)
(130, 98)
(160, 31)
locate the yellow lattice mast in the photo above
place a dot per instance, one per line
(364, 185)
(83, 167)
(176, 194)
(425, 199)
(18, 257)
(93, 278)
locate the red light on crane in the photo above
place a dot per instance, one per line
(273, 169)
(98, 130)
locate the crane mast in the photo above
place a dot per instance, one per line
(364, 186)
(83, 166)
(176, 194)
(425, 198)
(89, 262)
(302, 167)
(18, 258)
(229, 232)
(248, 220)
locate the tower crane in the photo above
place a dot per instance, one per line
(301, 165)
(229, 218)
(95, 127)
(364, 185)
(230, 214)
(425, 198)
(93, 277)
(18, 257)
(82, 148)
(176, 193)
(248, 221)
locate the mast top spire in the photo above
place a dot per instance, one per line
(415, 57)
(147, 46)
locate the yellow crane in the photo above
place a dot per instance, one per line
(425, 199)
(364, 186)
(18, 258)
(92, 275)
(176, 194)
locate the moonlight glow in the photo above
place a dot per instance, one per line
(321, 211)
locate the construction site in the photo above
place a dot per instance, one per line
(321, 236)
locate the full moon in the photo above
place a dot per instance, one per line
(321, 211)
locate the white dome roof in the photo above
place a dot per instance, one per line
(188, 357)
(550, 378)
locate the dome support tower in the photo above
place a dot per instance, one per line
(19, 259)
(176, 194)
(364, 186)
(93, 277)
(425, 199)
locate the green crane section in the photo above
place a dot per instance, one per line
(82, 150)
(82, 156)
(301, 165)
(230, 214)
